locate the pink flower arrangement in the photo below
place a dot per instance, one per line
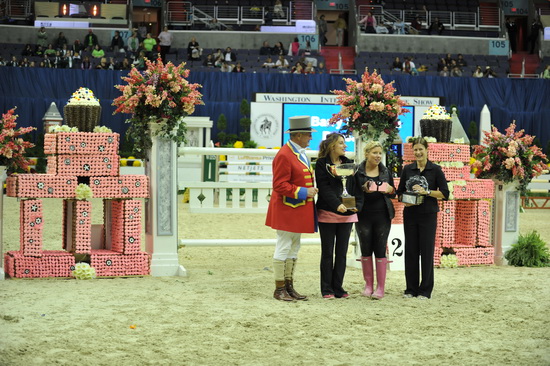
(161, 93)
(12, 146)
(509, 157)
(369, 108)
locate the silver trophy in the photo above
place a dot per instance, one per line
(344, 171)
(410, 196)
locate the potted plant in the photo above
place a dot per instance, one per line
(159, 98)
(509, 158)
(12, 146)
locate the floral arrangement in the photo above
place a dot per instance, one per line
(12, 146)
(436, 112)
(102, 129)
(369, 108)
(449, 261)
(509, 157)
(83, 271)
(62, 128)
(83, 192)
(160, 93)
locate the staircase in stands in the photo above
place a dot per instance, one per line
(531, 63)
(332, 57)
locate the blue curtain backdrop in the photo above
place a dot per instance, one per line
(527, 101)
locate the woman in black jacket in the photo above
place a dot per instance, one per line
(375, 217)
(420, 221)
(335, 219)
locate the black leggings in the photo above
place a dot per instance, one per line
(373, 230)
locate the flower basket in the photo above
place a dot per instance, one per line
(438, 128)
(83, 117)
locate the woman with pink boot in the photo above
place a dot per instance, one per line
(375, 217)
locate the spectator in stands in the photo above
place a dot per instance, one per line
(214, 24)
(139, 62)
(449, 59)
(298, 68)
(278, 9)
(478, 73)
(124, 64)
(62, 62)
(90, 40)
(133, 44)
(321, 68)
(268, 17)
(60, 41)
(268, 64)
(77, 46)
(229, 55)
(546, 73)
(307, 50)
(209, 61)
(24, 62)
(13, 62)
(511, 28)
(323, 29)
(238, 68)
(86, 63)
(117, 43)
(444, 72)
(265, 49)
(226, 67)
(103, 64)
(397, 65)
(50, 51)
(64, 50)
(340, 25)
(441, 64)
(399, 27)
(416, 26)
(75, 55)
(71, 59)
(42, 37)
(436, 26)
(456, 72)
(408, 65)
(27, 51)
(282, 63)
(98, 52)
(295, 47)
(149, 44)
(460, 61)
(32, 64)
(39, 51)
(278, 49)
(193, 50)
(309, 68)
(45, 62)
(370, 23)
(489, 73)
(536, 27)
(165, 38)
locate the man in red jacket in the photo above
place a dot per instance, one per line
(291, 207)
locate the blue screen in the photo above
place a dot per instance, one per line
(321, 113)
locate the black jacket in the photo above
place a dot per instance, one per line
(385, 176)
(330, 187)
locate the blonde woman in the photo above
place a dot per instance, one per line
(375, 217)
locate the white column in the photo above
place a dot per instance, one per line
(2, 173)
(161, 210)
(506, 219)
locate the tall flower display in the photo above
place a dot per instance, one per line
(160, 94)
(370, 109)
(509, 157)
(12, 146)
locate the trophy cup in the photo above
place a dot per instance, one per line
(345, 171)
(410, 197)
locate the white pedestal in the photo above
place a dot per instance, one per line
(2, 178)
(396, 247)
(161, 209)
(506, 219)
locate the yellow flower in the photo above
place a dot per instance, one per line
(238, 145)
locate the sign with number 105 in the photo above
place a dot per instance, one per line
(499, 47)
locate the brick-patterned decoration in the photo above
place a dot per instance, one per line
(80, 157)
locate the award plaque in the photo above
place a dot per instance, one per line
(412, 198)
(345, 171)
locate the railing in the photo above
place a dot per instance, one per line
(452, 20)
(18, 9)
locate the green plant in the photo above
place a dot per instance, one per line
(529, 251)
(221, 125)
(473, 134)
